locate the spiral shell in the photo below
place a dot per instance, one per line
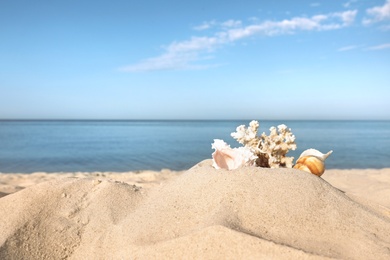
(312, 161)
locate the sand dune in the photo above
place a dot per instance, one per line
(202, 213)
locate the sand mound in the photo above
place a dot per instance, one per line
(203, 213)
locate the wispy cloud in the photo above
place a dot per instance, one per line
(179, 56)
(378, 14)
(205, 25)
(348, 48)
(315, 4)
(231, 23)
(315, 23)
(188, 53)
(349, 3)
(210, 24)
(379, 47)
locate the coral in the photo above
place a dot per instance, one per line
(247, 137)
(275, 146)
(270, 150)
(266, 150)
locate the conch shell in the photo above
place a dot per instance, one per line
(312, 161)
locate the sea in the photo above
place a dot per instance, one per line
(28, 146)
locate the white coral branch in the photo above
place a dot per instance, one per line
(247, 137)
(271, 150)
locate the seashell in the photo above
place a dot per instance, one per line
(228, 158)
(312, 161)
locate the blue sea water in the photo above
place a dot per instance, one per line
(61, 146)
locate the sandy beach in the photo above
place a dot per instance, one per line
(202, 213)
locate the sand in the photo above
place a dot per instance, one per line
(202, 213)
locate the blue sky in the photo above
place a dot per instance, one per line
(195, 59)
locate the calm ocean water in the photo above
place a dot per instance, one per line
(55, 146)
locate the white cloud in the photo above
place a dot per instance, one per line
(238, 33)
(372, 48)
(194, 44)
(213, 23)
(163, 62)
(349, 3)
(348, 17)
(379, 47)
(205, 26)
(318, 22)
(185, 54)
(348, 48)
(378, 14)
(315, 4)
(171, 61)
(179, 55)
(231, 23)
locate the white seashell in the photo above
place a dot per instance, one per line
(312, 161)
(227, 158)
(315, 153)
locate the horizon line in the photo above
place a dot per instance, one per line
(184, 119)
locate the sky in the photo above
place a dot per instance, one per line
(231, 59)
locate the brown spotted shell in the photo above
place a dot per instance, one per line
(310, 164)
(312, 161)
